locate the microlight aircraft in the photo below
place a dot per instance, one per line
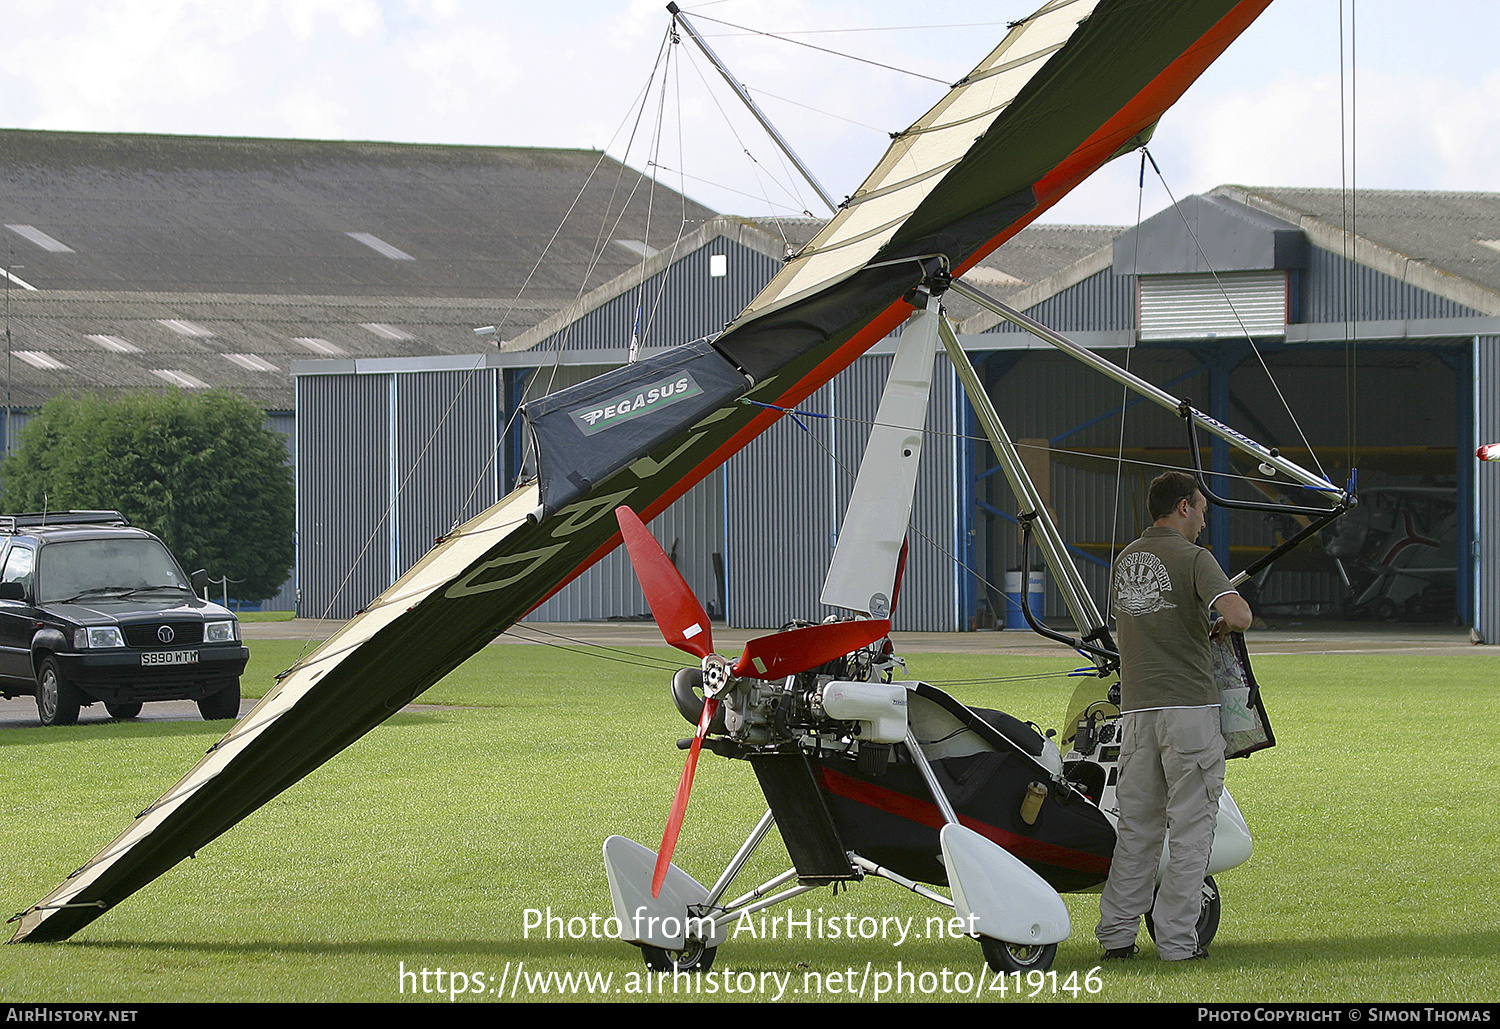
(1067, 89)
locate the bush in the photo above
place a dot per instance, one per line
(200, 470)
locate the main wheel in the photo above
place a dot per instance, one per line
(224, 704)
(57, 700)
(1005, 957)
(127, 710)
(693, 957)
(1208, 915)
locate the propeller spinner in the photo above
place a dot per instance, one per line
(685, 625)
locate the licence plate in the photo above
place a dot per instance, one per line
(170, 657)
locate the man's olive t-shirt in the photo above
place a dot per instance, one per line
(1164, 586)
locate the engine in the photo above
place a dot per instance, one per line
(843, 703)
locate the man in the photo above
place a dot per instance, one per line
(1171, 768)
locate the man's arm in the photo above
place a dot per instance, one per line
(1235, 612)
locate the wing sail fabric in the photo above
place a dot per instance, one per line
(1066, 90)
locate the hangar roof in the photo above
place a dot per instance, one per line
(185, 214)
(140, 261)
(1446, 243)
(136, 261)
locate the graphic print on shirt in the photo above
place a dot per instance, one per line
(1140, 582)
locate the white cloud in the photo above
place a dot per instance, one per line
(521, 74)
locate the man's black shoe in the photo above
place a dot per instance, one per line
(1120, 953)
(1197, 955)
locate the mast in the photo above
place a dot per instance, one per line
(745, 98)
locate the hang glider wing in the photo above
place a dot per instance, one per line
(1068, 88)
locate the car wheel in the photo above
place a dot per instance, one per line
(57, 700)
(127, 710)
(223, 704)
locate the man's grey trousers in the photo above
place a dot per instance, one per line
(1171, 773)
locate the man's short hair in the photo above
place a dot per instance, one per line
(1167, 490)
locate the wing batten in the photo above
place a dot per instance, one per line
(832, 302)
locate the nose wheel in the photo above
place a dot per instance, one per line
(693, 957)
(1005, 957)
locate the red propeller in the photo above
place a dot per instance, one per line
(685, 626)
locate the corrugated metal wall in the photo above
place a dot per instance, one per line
(388, 463)
(1486, 554)
(786, 497)
(285, 423)
(770, 517)
(677, 305)
(780, 520)
(1329, 293)
(445, 460)
(1102, 301)
(691, 530)
(343, 492)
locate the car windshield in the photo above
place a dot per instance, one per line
(85, 567)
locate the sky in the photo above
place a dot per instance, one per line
(1412, 89)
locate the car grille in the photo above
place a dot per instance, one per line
(145, 636)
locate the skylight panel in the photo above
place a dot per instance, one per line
(115, 343)
(380, 246)
(387, 331)
(179, 378)
(320, 346)
(40, 238)
(15, 279)
(252, 361)
(185, 327)
(39, 359)
(637, 247)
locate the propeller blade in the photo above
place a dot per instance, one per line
(787, 653)
(679, 802)
(678, 614)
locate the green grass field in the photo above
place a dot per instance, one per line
(442, 839)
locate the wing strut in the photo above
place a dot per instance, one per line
(1343, 499)
(1035, 516)
(1294, 471)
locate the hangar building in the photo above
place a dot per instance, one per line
(339, 286)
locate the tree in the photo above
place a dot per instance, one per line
(200, 470)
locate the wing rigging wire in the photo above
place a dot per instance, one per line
(757, 166)
(1116, 543)
(1223, 290)
(464, 387)
(786, 38)
(1348, 157)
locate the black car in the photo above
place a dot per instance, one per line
(93, 609)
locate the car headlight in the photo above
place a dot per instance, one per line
(93, 637)
(220, 632)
